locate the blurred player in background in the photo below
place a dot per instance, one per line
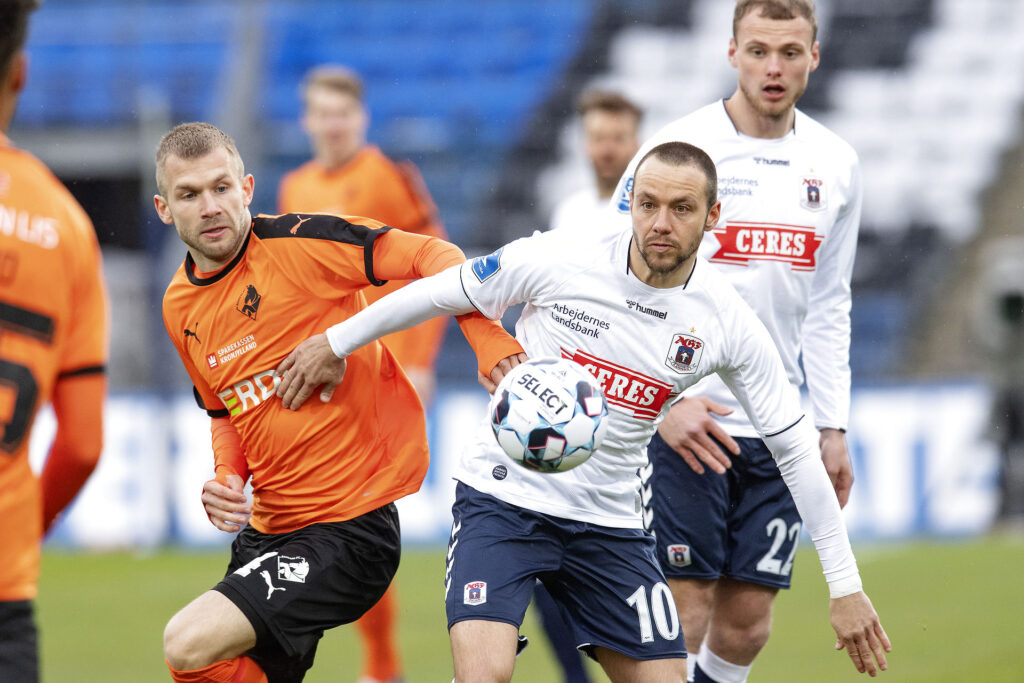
(648, 318)
(791, 203)
(611, 124)
(323, 542)
(350, 177)
(53, 348)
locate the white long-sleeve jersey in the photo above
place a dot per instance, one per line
(786, 241)
(645, 346)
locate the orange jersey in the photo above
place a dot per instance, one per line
(373, 185)
(295, 277)
(53, 325)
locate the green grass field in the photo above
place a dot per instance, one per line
(952, 610)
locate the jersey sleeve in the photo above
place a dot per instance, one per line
(826, 329)
(758, 379)
(755, 374)
(204, 395)
(520, 271)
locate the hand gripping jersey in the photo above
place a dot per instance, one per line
(786, 241)
(295, 276)
(53, 325)
(373, 185)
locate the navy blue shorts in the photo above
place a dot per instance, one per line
(605, 581)
(742, 524)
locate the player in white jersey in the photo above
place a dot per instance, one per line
(649, 319)
(791, 202)
(611, 125)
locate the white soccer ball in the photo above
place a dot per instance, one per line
(549, 414)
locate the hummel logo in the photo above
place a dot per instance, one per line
(189, 333)
(270, 587)
(296, 226)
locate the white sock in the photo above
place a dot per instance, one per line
(719, 669)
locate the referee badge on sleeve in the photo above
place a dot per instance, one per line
(678, 555)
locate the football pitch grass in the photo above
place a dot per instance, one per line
(952, 609)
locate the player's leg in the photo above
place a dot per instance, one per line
(764, 529)
(483, 651)
(19, 642)
(687, 514)
(291, 587)
(620, 607)
(207, 630)
(495, 553)
(694, 599)
(742, 620)
(623, 669)
(376, 631)
(559, 633)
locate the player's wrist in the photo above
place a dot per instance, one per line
(840, 588)
(335, 339)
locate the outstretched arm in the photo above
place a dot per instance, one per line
(320, 359)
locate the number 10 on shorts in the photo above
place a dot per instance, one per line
(661, 607)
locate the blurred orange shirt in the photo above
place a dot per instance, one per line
(53, 324)
(374, 186)
(295, 277)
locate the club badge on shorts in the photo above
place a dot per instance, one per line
(474, 593)
(678, 555)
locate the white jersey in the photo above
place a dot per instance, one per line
(643, 344)
(786, 241)
(580, 209)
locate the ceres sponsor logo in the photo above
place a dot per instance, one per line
(741, 242)
(636, 393)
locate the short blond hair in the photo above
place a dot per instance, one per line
(335, 78)
(777, 9)
(192, 141)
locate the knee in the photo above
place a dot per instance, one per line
(740, 639)
(184, 645)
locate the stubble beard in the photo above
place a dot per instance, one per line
(683, 254)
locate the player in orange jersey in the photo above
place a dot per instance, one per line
(347, 176)
(53, 348)
(322, 543)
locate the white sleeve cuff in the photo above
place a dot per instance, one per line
(840, 588)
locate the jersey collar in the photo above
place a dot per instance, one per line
(190, 266)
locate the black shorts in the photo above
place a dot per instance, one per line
(294, 586)
(19, 642)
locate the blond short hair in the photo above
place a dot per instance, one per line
(335, 78)
(778, 10)
(192, 141)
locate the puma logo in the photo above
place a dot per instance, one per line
(295, 227)
(189, 333)
(270, 587)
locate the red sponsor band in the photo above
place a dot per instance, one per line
(642, 395)
(740, 243)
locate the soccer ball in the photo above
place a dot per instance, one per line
(549, 414)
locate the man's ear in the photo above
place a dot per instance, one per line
(162, 210)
